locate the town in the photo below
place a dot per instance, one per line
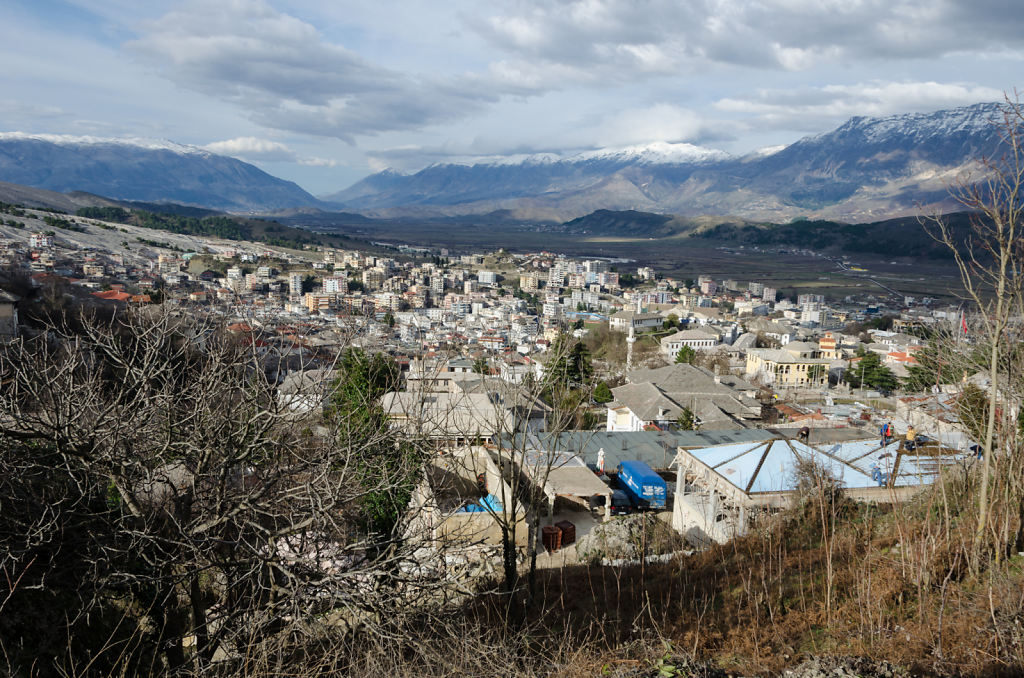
(717, 389)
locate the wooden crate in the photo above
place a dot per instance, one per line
(551, 536)
(568, 530)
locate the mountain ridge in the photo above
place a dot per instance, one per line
(144, 170)
(867, 168)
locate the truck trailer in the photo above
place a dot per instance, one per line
(645, 487)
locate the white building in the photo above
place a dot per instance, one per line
(335, 285)
(37, 240)
(699, 340)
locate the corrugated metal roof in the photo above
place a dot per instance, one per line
(772, 466)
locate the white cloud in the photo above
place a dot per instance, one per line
(817, 108)
(286, 75)
(641, 125)
(625, 39)
(253, 148)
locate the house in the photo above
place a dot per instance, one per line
(305, 391)
(655, 399)
(526, 407)
(771, 329)
(449, 417)
(782, 368)
(623, 320)
(699, 340)
(829, 347)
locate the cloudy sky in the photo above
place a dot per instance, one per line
(324, 93)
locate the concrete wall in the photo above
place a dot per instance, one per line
(452, 479)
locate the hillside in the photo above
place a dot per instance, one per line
(220, 226)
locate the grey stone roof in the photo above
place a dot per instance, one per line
(691, 334)
(655, 448)
(668, 390)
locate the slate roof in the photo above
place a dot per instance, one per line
(655, 448)
(683, 335)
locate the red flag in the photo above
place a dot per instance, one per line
(963, 322)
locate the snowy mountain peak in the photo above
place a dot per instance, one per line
(136, 142)
(656, 153)
(974, 119)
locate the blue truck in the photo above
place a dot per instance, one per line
(645, 487)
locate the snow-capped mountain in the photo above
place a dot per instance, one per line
(866, 168)
(146, 170)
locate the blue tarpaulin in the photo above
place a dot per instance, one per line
(488, 503)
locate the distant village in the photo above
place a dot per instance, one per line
(718, 387)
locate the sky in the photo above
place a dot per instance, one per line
(325, 93)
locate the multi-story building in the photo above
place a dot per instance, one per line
(373, 278)
(780, 367)
(319, 302)
(38, 240)
(295, 285)
(335, 285)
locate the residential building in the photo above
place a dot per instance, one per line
(623, 320)
(699, 340)
(781, 368)
(295, 285)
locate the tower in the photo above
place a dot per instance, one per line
(630, 340)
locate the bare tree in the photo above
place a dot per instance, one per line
(989, 257)
(156, 487)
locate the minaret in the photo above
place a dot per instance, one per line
(630, 340)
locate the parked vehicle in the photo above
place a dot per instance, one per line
(645, 487)
(621, 503)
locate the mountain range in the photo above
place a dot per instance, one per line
(866, 169)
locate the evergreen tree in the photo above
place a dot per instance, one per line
(686, 355)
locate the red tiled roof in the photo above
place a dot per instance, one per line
(112, 295)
